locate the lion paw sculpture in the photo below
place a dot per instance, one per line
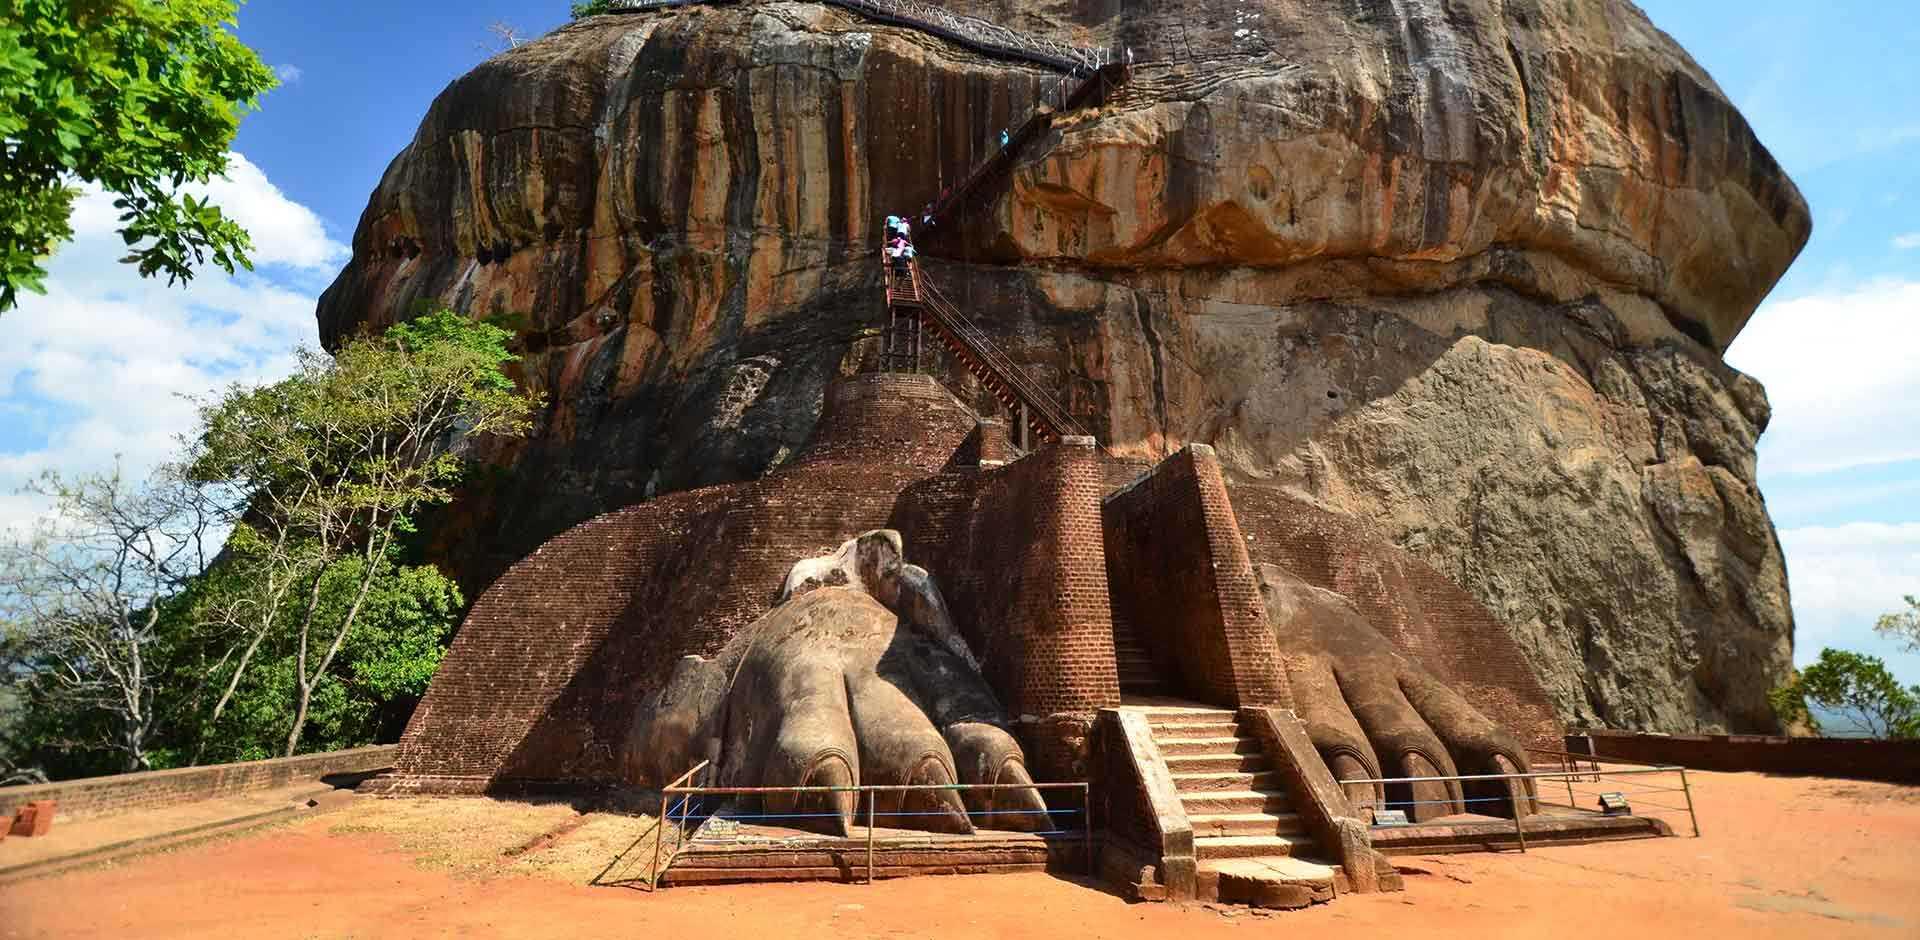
(857, 676)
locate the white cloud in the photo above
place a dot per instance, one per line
(288, 74)
(1907, 241)
(1839, 370)
(1843, 578)
(96, 367)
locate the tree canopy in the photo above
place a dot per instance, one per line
(136, 97)
(125, 644)
(1855, 686)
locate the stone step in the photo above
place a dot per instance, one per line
(1279, 882)
(1214, 763)
(1159, 719)
(1208, 847)
(1236, 801)
(1197, 729)
(1198, 782)
(1246, 824)
(1197, 745)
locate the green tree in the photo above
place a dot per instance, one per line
(138, 97)
(340, 455)
(592, 8)
(368, 691)
(83, 594)
(1902, 625)
(1856, 686)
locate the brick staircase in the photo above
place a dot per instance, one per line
(1139, 677)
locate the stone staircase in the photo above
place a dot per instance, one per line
(1247, 840)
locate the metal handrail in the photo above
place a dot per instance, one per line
(1006, 370)
(677, 788)
(1566, 775)
(978, 34)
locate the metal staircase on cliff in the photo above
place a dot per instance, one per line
(913, 304)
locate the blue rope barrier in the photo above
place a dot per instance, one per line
(1478, 799)
(885, 813)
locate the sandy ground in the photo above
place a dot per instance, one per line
(1787, 857)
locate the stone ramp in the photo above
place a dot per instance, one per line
(775, 853)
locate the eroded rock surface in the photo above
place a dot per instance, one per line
(1464, 270)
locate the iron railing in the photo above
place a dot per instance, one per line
(679, 813)
(980, 35)
(1570, 777)
(981, 346)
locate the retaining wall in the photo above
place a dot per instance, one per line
(1851, 758)
(122, 793)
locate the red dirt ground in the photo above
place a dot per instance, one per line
(1786, 857)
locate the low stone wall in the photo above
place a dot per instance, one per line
(104, 796)
(1851, 758)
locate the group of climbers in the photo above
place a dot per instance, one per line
(899, 244)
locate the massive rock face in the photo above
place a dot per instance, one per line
(1461, 270)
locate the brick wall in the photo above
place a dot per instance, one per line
(1853, 759)
(1429, 618)
(543, 679)
(1019, 554)
(1183, 582)
(123, 793)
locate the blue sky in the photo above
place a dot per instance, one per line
(93, 369)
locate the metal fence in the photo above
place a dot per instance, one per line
(685, 811)
(981, 35)
(1591, 780)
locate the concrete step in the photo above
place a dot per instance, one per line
(1199, 782)
(1214, 763)
(1210, 847)
(1236, 801)
(1246, 824)
(1197, 745)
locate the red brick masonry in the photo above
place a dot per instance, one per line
(544, 678)
(1851, 758)
(121, 793)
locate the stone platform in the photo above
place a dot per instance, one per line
(1469, 832)
(774, 853)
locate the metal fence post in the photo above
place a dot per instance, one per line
(1086, 824)
(1568, 780)
(871, 821)
(1519, 829)
(1689, 792)
(659, 830)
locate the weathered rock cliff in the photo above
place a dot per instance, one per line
(1463, 270)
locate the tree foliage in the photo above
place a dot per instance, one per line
(82, 599)
(1902, 625)
(138, 97)
(591, 8)
(1855, 686)
(341, 454)
(120, 637)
